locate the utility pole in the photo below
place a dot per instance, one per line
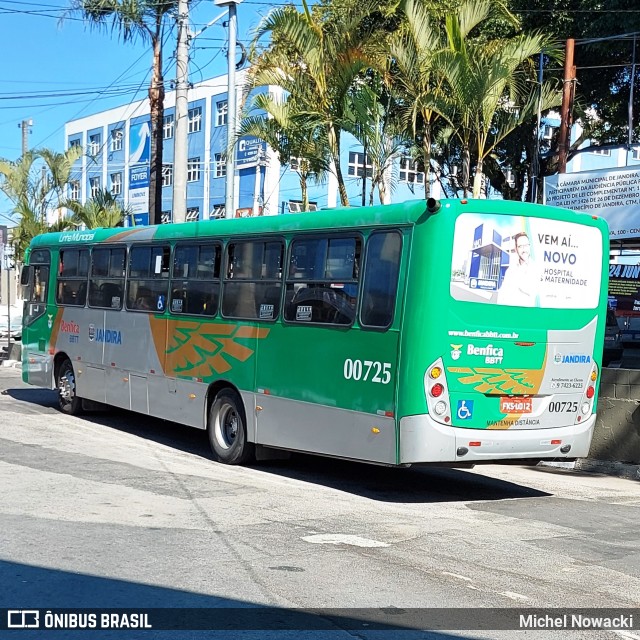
(229, 204)
(568, 91)
(25, 125)
(179, 205)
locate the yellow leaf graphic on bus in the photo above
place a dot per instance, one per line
(202, 350)
(500, 381)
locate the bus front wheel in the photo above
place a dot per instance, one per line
(68, 401)
(227, 429)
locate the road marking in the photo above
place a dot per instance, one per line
(456, 575)
(337, 538)
(513, 595)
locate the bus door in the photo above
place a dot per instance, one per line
(38, 320)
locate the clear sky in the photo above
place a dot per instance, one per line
(57, 68)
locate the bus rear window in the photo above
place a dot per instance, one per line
(526, 262)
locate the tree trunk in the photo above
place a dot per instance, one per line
(304, 191)
(466, 168)
(426, 158)
(156, 108)
(334, 148)
(477, 179)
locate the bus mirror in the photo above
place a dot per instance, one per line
(433, 205)
(25, 275)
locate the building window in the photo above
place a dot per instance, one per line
(220, 164)
(218, 211)
(547, 132)
(165, 217)
(74, 143)
(167, 127)
(116, 184)
(357, 165)
(74, 190)
(409, 171)
(116, 139)
(635, 153)
(193, 169)
(601, 152)
(94, 186)
(167, 175)
(193, 214)
(195, 119)
(221, 113)
(94, 144)
(295, 206)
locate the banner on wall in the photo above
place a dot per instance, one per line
(139, 143)
(139, 194)
(612, 194)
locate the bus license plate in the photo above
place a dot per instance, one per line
(516, 405)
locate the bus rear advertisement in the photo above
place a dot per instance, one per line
(448, 331)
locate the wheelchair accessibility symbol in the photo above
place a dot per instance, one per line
(465, 409)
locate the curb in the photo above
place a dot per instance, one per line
(608, 467)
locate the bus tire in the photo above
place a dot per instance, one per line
(68, 401)
(227, 429)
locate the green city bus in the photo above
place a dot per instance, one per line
(445, 331)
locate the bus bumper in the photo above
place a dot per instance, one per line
(422, 439)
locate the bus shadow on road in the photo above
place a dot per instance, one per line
(426, 484)
(169, 613)
(418, 484)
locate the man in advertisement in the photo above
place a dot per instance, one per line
(520, 284)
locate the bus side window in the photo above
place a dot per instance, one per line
(322, 280)
(195, 279)
(253, 280)
(73, 270)
(384, 250)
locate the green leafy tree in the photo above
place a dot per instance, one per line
(486, 84)
(377, 127)
(415, 77)
(295, 138)
(316, 61)
(101, 211)
(36, 184)
(143, 19)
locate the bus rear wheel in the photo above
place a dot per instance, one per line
(68, 401)
(227, 429)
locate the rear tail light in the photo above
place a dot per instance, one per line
(586, 403)
(437, 390)
(437, 393)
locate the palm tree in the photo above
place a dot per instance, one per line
(143, 19)
(103, 210)
(414, 76)
(36, 184)
(487, 85)
(296, 141)
(316, 61)
(381, 134)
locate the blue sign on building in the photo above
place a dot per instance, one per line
(139, 143)
(139, 194)
(249, 151)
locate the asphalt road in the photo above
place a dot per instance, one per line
(119, 510)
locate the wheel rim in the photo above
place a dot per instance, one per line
(227, 426)
(67, 387)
